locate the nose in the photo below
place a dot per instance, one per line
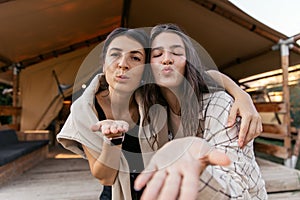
(167, 59)
(123, 63)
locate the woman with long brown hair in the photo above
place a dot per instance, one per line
(197, 110)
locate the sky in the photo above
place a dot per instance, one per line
(281, 15)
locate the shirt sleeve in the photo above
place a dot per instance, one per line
(242, 178)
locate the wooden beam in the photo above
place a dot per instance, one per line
(234, 17)
(275, 129)
(125, 13)
(278, 151)
(275, 107)
(237, 19)
(5, 60)
(9, 110)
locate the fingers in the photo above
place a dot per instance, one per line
(251, 132)
(244, 129)
(232, 115)
(172, 186)
(143, 179)
(259, 128)
(251, 127)
(154, 185)
(97, 126)
(189, 189)
(111, 127)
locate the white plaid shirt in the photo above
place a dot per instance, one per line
(242, 179)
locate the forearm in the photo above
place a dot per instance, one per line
(229, 85)
(104, 166)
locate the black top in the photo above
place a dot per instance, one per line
(131, 150)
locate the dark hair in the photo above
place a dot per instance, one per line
(197, 82)
(138, 35)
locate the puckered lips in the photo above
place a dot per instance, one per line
(122, 78)
(167, 70)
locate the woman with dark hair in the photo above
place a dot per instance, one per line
(197, 107)
(109, 101)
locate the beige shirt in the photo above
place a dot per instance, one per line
(241, 180)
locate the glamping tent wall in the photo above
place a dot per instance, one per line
(41, 100)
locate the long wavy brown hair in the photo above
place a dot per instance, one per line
(196, 83)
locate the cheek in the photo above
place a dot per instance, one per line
(109, 72)
(181, 66)
(154, 60)
(137, 71)
(155, 69)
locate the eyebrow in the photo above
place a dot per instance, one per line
(115, 49)
(171, 47)
(132, 52)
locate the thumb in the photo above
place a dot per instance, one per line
(144, 177)
(97, 126)
(216, 157)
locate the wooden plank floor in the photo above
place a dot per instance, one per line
(62, 178)
(282, 183)
(65, 176)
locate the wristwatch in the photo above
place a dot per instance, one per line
(117, 140)
(114, 141)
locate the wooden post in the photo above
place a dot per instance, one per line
(284, 50)
(285, 45)
(15, 118)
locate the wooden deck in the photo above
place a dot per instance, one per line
(282, 183)
(65, 176)
(62, 176)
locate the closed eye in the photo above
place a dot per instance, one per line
(156, 55)
(178, 54)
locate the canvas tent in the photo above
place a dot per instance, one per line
(39, 36)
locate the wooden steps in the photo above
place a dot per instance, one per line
(281, 182)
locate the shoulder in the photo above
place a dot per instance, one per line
(89, 92)
(217, 98)
(216, 103)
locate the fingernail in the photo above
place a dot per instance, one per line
(241, 143)
(136, 188)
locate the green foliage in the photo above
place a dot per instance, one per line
(5, 100)
(295, 105)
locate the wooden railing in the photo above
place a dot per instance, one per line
(283, 132)
(15, 112)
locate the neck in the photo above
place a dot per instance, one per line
(173, 98)
(123, 106)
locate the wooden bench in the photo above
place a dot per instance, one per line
(17, 156)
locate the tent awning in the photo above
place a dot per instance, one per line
(35, 33)
(36, 30)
